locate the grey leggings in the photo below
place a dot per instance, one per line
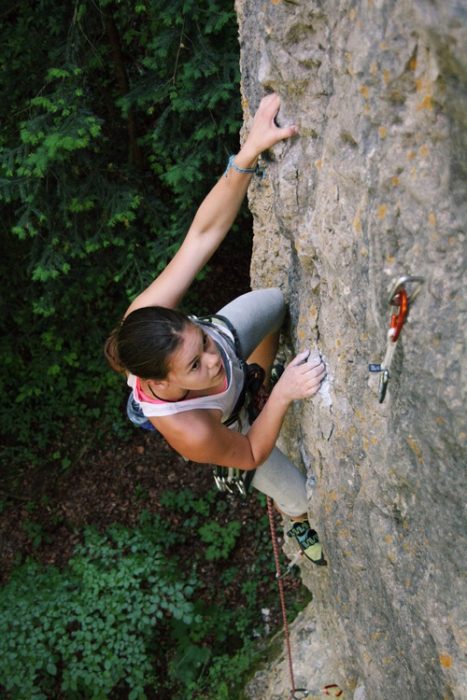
(254, 316)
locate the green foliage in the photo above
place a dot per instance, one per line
(211, 677)
(184, 501)
(220, 539)
(217, 670)
(34, 531)
(113, 129)
(131, 614)
(227, 672)
(90, 628)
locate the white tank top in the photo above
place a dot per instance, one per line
(225, 401)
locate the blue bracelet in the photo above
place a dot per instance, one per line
(245, 171)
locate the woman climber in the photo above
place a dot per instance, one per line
(187, 375)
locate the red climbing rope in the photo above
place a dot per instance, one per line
(281, 590)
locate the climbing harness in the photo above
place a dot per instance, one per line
(232, 480)
(253, 397)
(402, 294)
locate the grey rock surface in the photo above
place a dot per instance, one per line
(313, 663)
(372, 189)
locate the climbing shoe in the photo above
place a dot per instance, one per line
(308, 542)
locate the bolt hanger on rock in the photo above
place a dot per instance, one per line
(402, 294)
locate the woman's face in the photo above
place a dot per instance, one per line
(196, 363)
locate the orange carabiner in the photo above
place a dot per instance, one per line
(401, 300)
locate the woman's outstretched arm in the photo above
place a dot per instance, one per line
(216, 213)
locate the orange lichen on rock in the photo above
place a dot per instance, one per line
(445, 660)
(382, 211)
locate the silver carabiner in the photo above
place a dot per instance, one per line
(219, 481)
(401, 283)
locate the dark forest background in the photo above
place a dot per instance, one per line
(116, 119)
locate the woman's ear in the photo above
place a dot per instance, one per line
(111, 353)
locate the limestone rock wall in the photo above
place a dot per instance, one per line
(373, 188)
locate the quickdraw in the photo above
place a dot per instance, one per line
(232, 480)
(401, 297)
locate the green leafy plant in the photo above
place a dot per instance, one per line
(221, 539)
(90, 628)
(225, 677)
(34, 531)
(185, 501)
(130, 613)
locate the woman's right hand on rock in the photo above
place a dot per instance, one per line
(300, 379)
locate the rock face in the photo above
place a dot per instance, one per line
(372, 190)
